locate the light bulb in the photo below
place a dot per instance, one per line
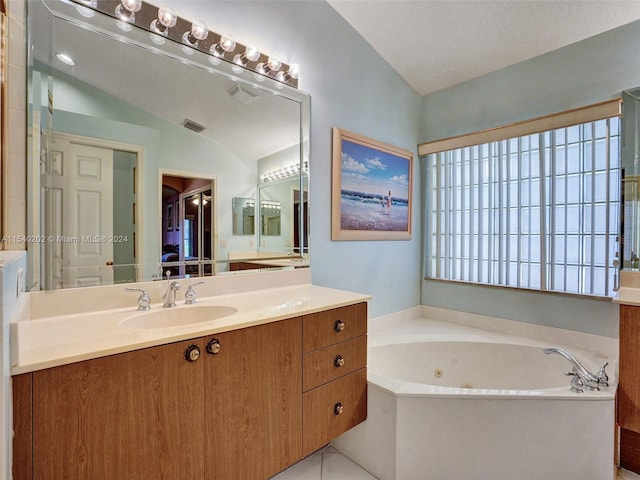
(167, 19)
(199, 31)
(126, 10)
(274, 64)
(226, 44)
(252, 54)
(167, 16)
(294, 71)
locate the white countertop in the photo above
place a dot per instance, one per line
(58, 340)
(627, 296)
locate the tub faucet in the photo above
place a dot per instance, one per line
(169, 296)
(580, 376)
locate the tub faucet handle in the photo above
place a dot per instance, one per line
(601, 375)
(577, 386)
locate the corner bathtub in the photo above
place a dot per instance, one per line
(449, 402)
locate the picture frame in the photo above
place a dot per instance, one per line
(176, 217)
(170, 217)
(371, 189)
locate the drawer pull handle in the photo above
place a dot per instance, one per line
(213, 347)
(338, 409)
(339, 361)
(192, 353)
(338, 326)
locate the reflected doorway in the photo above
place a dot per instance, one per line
(187, 226)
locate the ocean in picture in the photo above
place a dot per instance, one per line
(371, 211)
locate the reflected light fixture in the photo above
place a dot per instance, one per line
(126, 10)
(285, 172)
(167, 19)
(85, 8)
(64, 58)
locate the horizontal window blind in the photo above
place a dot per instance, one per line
(538, 211)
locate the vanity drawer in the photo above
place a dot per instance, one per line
(332, 409)
(332, 326)
(327, 364)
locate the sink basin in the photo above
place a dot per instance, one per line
(176, 317)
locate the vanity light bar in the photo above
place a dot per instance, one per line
(284, 172)
(195, 35)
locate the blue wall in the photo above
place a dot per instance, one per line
(587, 72)
(352, 88)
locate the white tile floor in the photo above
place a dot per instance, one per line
(327, 464)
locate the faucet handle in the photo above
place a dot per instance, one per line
(144, 302)
(601, 375)
(576, 382)
(190, 294)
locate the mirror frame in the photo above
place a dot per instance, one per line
(71, 12)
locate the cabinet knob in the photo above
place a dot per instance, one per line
(338, 409)
(213, 347)
(192, 353)
(339, 361)
(338, 326)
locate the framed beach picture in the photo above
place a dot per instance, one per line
(371, 189)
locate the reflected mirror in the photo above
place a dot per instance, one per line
(243, 216)
(270, 217)
(112, 135)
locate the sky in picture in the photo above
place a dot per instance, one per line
(367, 170)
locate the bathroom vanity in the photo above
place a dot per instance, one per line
(245, 400)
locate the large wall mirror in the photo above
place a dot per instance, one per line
(140, 150)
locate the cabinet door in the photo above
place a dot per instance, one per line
(629, 369)
(134, 415)
(334, 408)
(253, 402)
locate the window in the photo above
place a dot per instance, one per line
(538, 211)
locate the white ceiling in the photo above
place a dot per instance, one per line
(436, 44)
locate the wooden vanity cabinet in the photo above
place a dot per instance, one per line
(628, 411)
(132, 415)
(334, 373)
(236, 411)
(253, 413)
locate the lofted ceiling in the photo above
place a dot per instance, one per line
(436, 44)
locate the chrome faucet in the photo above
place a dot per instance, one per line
(169, 296)
(580, 376)
(144, 302)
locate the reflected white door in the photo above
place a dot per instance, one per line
(81, 198)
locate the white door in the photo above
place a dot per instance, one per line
(80, 197)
